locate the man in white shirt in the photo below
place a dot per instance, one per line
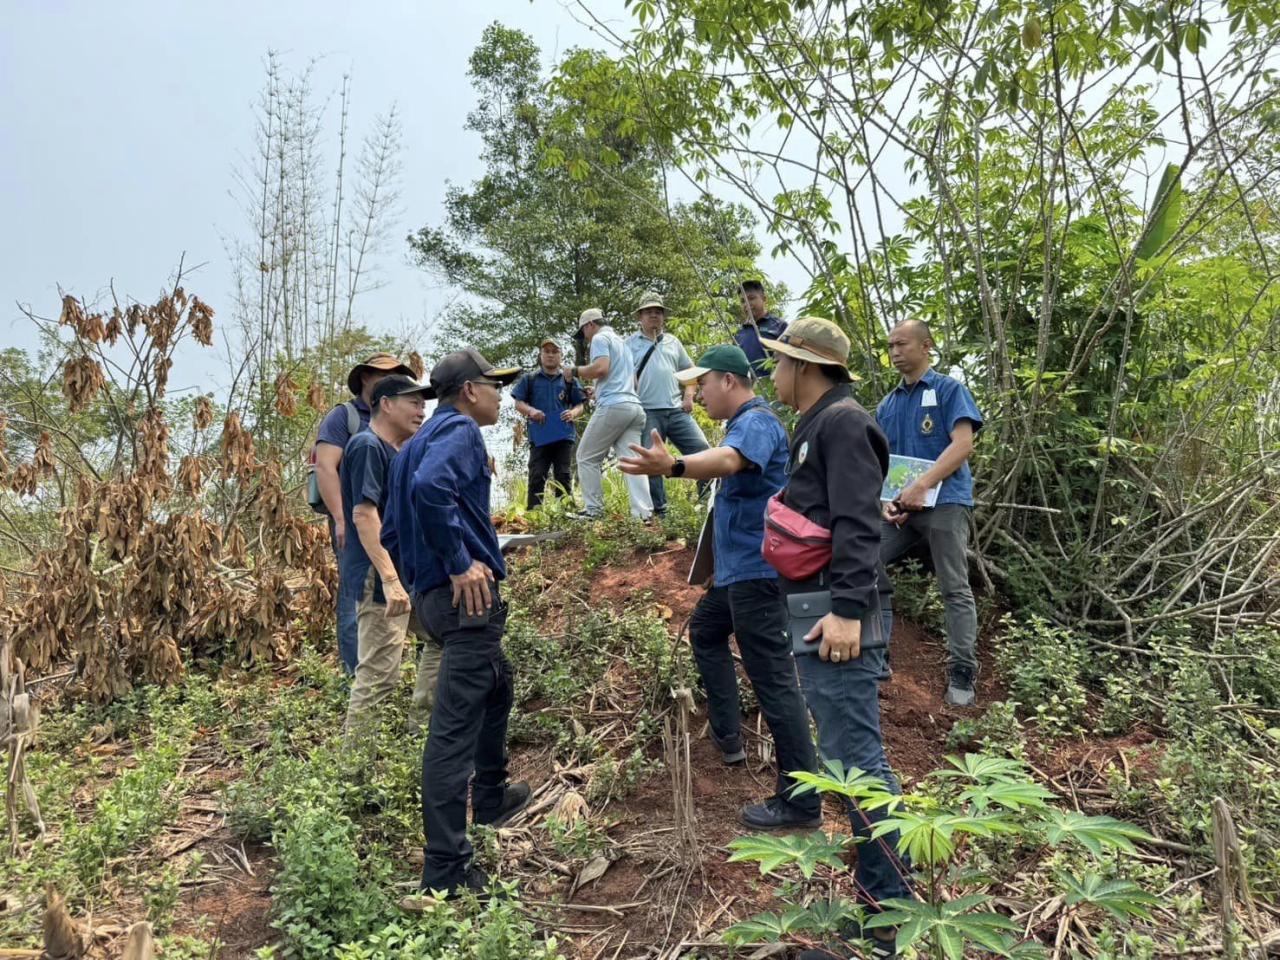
(667, 407)
(618, 419)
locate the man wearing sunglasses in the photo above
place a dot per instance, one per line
(439, 527)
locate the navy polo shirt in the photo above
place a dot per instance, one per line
(333, 428)
(919, 429)
(363, 475)
(759, 436)
(552, 395)
(437, 520)
(771, 328)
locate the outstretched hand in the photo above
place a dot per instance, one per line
(651, 461)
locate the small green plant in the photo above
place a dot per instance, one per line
(579, 839)
(1045, 668)
(496, 930)
(939, 826)
(325, 892)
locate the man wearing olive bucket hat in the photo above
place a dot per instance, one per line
(324, 491)
(822, 535)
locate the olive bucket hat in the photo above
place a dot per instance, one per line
(815, 340)
(380, 362)
(650, 299)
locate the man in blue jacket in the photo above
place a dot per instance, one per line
(438, 528)
(757, 321)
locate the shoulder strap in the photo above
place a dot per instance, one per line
(353, 418)
(644, 362)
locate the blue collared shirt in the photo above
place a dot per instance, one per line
(771, 328)
(363, 476)
(437, 520)
(759, 436)
(553, 396)
(658, 388)
(917, 429)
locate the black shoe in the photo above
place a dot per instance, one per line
(474, 881)
(776, 814)
(514, 799)
(886, 674)
(960, 688)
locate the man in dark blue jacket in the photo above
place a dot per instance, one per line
(439, 530)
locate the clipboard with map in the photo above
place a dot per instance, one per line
(902, 472)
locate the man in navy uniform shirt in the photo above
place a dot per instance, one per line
(744, 601)
(368, 572)
(551, 402)
(339, 425)
(762, 324)
(932, 416)
(439, 531)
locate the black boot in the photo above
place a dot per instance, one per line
(514, 799)
(776, 814)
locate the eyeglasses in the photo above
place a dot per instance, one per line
(488, 383)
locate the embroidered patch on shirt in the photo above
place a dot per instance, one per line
(926, 425)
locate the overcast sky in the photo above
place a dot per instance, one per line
(123, 124)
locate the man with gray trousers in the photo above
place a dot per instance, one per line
(668, 407)
(618, 419)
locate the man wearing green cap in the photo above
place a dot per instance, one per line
(837, 466)
(744, 600)
(667, 403)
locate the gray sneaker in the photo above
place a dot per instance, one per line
(960, 691)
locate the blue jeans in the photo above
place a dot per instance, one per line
(682, 430)
(845, 703)
(348, 633)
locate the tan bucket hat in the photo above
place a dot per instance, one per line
(383, 362)
(650, 299)
(814, 340)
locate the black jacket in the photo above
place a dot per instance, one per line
(838, 463)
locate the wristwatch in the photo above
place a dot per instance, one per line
(677, 468)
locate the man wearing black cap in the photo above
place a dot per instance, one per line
(551, 402)
(339, 425)
(439, 528)
(366, 570)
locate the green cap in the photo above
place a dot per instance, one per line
(725, 358)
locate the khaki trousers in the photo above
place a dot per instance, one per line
(381, 642)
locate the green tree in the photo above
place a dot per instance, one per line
(539, 238)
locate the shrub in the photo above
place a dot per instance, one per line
(1045, 668)
(324, 893)
(448, 930)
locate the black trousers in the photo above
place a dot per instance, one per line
(556, 456)
(468, 733)
(753, 612)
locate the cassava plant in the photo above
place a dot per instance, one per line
(940, 826)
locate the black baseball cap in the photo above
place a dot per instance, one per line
(397, 385)
(465, 365)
